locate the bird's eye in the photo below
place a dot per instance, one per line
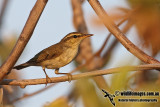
(75, 36)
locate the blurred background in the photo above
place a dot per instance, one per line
(139, 21)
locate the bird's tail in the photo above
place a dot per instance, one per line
(21, 66)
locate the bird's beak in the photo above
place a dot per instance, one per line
(87, 35)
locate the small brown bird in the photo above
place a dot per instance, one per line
(57, 55)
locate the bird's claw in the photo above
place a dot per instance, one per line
(47, 80)
(69, 77)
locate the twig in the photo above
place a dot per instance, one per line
(24, 38)
(80, 26)
(24, 83)
(119, 35)
(34, 93)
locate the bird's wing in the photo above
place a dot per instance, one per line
(46, 54)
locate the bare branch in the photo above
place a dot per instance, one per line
(24, 37)
(24, 83)
(119, 35)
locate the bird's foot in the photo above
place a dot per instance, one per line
(47, 80)
(69, 76)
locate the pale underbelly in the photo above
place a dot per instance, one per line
(61, 61)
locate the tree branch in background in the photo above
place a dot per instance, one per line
(24, 83)
(24, 37)
(80, 26)
(85, 47)
(119, 35)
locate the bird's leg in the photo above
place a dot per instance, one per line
(47, 77)
(68, 74)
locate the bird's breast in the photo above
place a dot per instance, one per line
(66, 57)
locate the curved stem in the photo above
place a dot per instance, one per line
(119, 35)
(24, 37)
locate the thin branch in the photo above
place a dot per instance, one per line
(24, 37)
(34, 93)
(119, 35)
(24, 83)
(80, 26)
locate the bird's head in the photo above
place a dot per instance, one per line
(75, 38)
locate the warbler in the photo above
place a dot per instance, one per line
(58, 55)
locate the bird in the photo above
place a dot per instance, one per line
(57, 55)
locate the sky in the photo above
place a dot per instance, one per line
(55, 22)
